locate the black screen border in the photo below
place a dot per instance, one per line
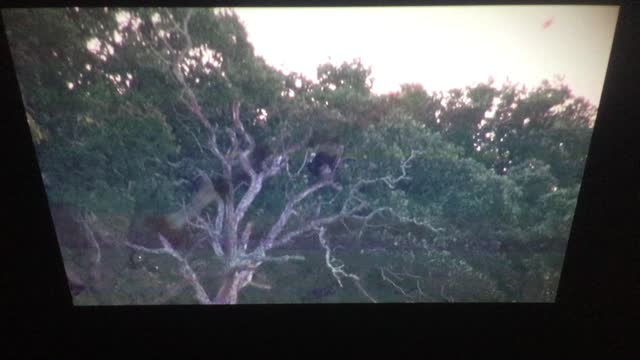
(599, 282)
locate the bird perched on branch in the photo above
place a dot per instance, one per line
(323, 165)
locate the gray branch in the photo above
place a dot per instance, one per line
(86, 220)
(288, 211)
(187, 271)
(390, 281)
(337, 270)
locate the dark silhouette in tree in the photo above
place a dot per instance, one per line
(322, 166)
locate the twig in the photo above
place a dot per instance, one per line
(279, 226)
(396, 286)
(187, 271)
(448, 298)
(337, 269)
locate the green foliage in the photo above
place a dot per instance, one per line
(558, 207)
(91, 164)
(346, 89)
(352, 76)
(420, 105)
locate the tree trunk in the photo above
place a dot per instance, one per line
(233, 282)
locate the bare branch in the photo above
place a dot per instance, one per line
(283, 259)
(337, 269)
(260, 285)
(237, 124)
(232, 152)
(246, 234)
(366, 220)
(408, 274)
(364, 292)
(275, 162)
(246, 164)
(391, 212)
(419, 288)
(394, 274)
(448, 298)
(389, 180)
(85, 219)
(157, 251)
(96, 262)
(256, 258)
(234, 281)
(187, 271)
(219, 220)
(302, 166)
(275, 165)
(215, 149)
(312, 225)
(212, 233)
(396, 286)
(255, 185)
(248, 198)
(279, 226)
(189, 97)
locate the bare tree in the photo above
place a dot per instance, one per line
(229, 232)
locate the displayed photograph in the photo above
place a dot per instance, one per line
(428, 154)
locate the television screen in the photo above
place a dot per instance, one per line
(311, 155)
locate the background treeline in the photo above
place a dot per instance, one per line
(484, 217)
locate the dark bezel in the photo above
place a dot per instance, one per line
(599, 284)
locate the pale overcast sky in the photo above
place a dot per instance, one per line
(442, 47)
